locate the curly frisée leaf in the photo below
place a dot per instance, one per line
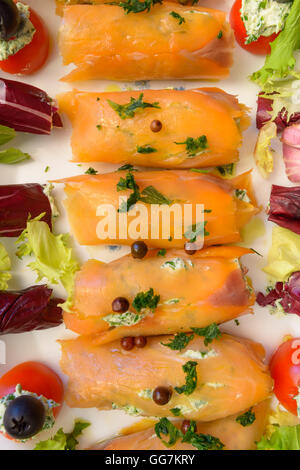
(5, 266)
(282, 438)
(53, 256)
(62, 440)
(263, 154)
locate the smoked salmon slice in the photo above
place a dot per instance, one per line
(183, 114)
(228, 430)
(226, 209)
(230, 376)
(194, 291)
(103, 42)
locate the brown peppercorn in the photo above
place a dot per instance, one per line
(156, 125)
(186, 425)
(127, 343)
(120, 305)
(140, 341)
(139, 249)
(189, 251)
(161, 395)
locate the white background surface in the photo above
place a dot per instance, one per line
(54, 151)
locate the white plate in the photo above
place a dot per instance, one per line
(54, 151)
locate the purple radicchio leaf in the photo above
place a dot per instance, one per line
(18, 202)
(287, 294)
(29, 309)
(264, 107)
(26, 108)
(284, 207)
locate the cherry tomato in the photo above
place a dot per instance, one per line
(285, 370)
(261, 46)
(36, 378)
(33, 56)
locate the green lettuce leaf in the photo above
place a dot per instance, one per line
(54, 258)
(5, 266)
(281, 62)
(284, 254)
(12, 156)
(6, 134)
(282, 438)
(62, 440)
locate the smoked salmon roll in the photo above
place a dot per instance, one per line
(190, 291)
(163, 198)
(228, 430)
(168, 42)
(200, 382)
(157, 128)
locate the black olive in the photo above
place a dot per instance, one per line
(161, 395)
(139, 250)
(9, 19)
(186, 424)
(24, 417)
(120, 305)
(189, 251)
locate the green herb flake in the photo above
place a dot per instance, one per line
(177, 17)
(146, 149)
(195, 230)
(226, 170)
(99, 127)
(135, 6)
(195, 146)
(210, 333)
(127, 167)
(220, 35)
(179, 342)
(145, 300)
(190, 380)
(176, 411)
(165, 427)
(247, 418)
(128, 110)
(47, 169)
(162, 252)
(91, 171)
(150, 195)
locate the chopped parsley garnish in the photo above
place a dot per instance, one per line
(237, 322)
(47, 169)
(99, 127)
(149, 195)
(195, 230)
(162, 252)
(190, 380)
(199, 441)
(176, 411)
(128, 110)
(135, 6)
(179, 342)
(220, 34)
(194, 146)
(127, 167)
(91, 171)
(165, 427)
(247, 418)
(145, 149)
(226, 169)
(210, 333)
(146, 300)
(177, 17)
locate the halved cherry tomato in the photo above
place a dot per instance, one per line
(261, 46)
(33, 56)
(36, 378)
(285, 370)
